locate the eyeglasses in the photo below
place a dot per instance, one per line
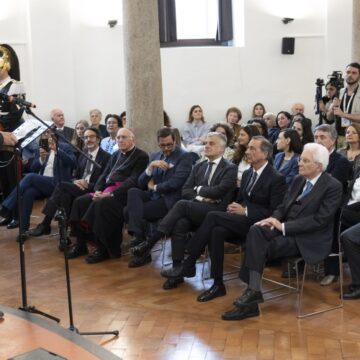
(166, 146)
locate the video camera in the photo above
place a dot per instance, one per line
(335, 80)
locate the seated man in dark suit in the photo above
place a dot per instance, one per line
(84, 180)
(58, 118)
(87, 212)
(262, 190)
(57, 165)
(340, 168)
(209, 187)
(303, 224)
(159, 188)
(350, 239)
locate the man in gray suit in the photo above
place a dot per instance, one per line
(209, 187)
(302, 224)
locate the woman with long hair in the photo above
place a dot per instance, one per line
(239, 158)
(78, 136)
(258, 110)
(303, 128)
(290, 147)
(352, 149)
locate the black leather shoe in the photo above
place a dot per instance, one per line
(352, 295)
(138, 261)
(135, 241)
(179, 271)
(249, 297)
(172, 283)
(241, 313)
(97, 256)
(212, 293)
(41, 229)
(13, 224)
(141, 249)
(76, 251)
(5, 221)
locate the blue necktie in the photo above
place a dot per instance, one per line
(308, 187)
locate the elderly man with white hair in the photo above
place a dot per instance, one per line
(301, 225)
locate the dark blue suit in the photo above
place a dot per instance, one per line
(144, 205)
(36, 185)
(290, 170)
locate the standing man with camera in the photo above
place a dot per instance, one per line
(347, 106)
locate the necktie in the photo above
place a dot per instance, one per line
(87, 167)
(308, 187)
(208, 173)
(252, 181)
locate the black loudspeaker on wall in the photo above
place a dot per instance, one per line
(288, 45)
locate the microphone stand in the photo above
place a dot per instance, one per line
(62, 221)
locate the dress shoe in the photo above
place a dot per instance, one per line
(179, 271)
(172, 283)
(138, 261)
(212, 293)
(24, 237)
(13, 224)
(249, 297)
(5, 221)
(242, 312)
(63, 244)
(97, 256)
(352, 295)
(135, 241)
(76, 251)
(328, 280)
(141, 249)
(41, 229)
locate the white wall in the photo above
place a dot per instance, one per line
(71, 59)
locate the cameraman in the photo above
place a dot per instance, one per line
(326, 102)
(347, 105)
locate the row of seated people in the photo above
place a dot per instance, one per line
(206, 187)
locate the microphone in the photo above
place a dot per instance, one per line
(16, 100)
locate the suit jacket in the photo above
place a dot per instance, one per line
(222, 184)
(67, 132)
(134, 164)
(169, 183)
(290, 170)
(312, 223)
(64, 163)
(340, 168)
(265, 196)
(102, 158)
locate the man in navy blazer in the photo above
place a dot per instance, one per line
(340, 168)
(83, 181)
(159, 187)
(261, 191)
(57, 166)
(302, 224)
(209, 187)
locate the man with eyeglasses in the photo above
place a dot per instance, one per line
(83, 182)
(159, 188)
(98, 217)
(301, 224)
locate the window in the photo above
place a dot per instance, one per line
(195, 22)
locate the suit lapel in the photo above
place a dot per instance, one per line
(263, 177)
(217, 171)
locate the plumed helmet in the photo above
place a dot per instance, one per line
(9, 61)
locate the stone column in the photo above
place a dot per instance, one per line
(144, 101)
(356, 31)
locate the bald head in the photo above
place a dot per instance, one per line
(125, 139)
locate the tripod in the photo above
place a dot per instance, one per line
(62, 219)
(25, 306)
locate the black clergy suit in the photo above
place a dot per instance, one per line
(189, 213)
(219, 226)
(308, 226)
(104, 217)
(65, 192)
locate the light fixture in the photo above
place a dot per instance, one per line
(287, 20)
(112, 23)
